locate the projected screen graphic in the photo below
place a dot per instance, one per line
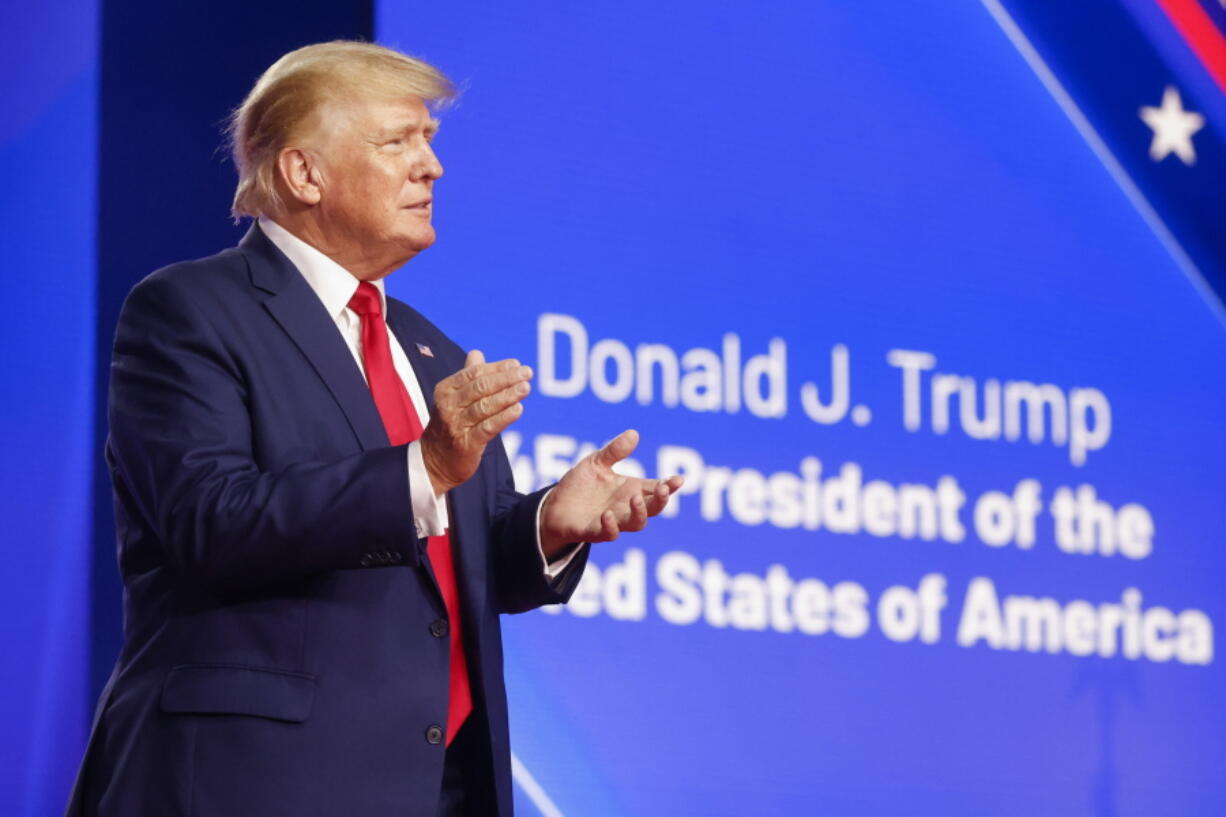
(947, 403)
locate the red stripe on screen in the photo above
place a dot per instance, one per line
(1201, 34)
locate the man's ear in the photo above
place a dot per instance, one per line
(300, 175)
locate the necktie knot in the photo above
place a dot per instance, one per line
(366, 300)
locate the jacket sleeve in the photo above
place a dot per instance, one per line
(181, 441)
(518, 564)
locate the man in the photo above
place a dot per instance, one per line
(317, 523)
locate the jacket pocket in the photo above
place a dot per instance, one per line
(233, 689)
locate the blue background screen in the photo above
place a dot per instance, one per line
(956, 498)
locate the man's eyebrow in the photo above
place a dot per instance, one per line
(429, 128)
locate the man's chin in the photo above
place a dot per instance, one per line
(417, 241)
(411, 245)
(424, 241)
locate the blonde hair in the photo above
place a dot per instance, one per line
(296, 86)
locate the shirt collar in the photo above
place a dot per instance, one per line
(332, 283)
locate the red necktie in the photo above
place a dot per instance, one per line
(404, 426)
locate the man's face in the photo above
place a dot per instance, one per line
(377, 177)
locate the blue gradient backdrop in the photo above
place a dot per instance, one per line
(822, 173)
(833, 173)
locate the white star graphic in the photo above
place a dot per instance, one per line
(1173, 128)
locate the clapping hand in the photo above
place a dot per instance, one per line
(471, 407)
(593, 503)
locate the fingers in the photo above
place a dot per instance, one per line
(638, 514)
(608, 527)
(471, 407)
(492, 426)
(656, 492)
(475, 366)
(655, 497)
(487, 407)
(633, 515)
(480, 391)
(593, 503)
(618, 448)
(490, 403)
(491, 382)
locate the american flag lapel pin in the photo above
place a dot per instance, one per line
(425, 350)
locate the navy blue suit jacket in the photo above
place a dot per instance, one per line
(282, 647)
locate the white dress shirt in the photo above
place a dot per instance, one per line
(335, 286)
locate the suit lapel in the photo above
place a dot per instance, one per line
(299, 312)
(429, 370)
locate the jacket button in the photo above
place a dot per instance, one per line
(434, 734)
(438, 627)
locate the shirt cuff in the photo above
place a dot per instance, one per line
(429, 510)
(552, 569)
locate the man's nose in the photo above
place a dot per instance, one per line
(428, 166)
